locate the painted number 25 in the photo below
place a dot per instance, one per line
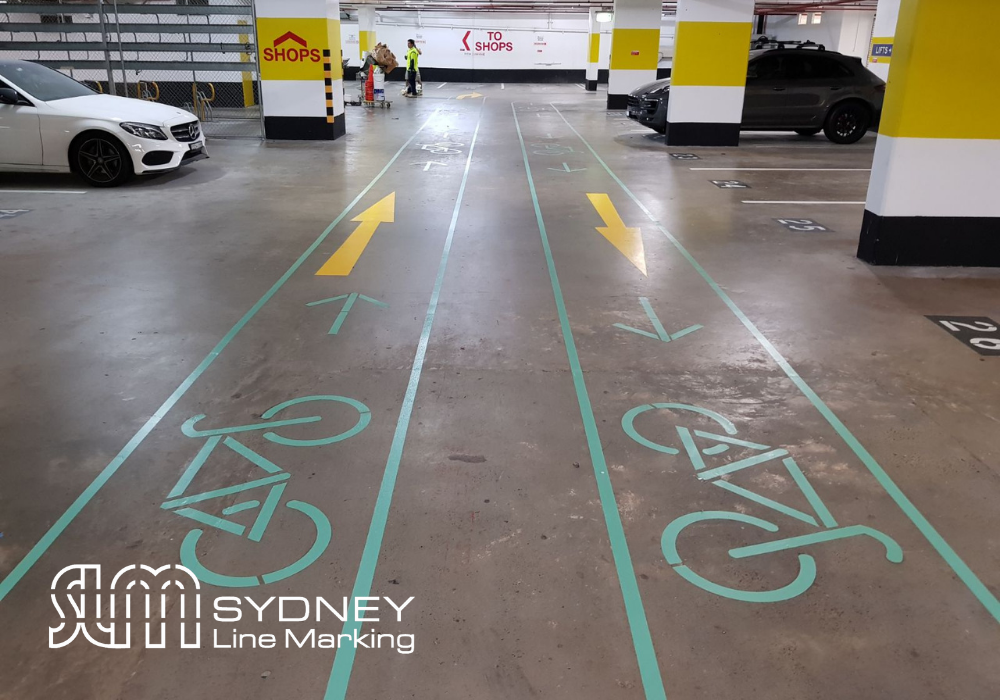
(801, 225)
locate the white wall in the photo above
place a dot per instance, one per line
(553, 42)
(848, 32)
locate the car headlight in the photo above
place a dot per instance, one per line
(144, 131)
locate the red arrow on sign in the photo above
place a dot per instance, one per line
(290, 36)
(465, 40)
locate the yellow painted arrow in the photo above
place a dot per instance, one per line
(627, 240)
(472, 95)
(343, 261)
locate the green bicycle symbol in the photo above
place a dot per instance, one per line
(275, 480)
(698, 444)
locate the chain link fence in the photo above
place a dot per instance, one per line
(199, 55)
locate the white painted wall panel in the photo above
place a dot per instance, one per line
(934, 177)
(704, 104)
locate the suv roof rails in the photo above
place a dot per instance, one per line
(764, 42)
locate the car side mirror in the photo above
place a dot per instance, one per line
(9, 96)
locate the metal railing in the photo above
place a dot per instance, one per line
(200, 57)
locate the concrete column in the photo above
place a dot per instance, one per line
(366, 29)
(880, 53)
(635, 48)
(593, 50)
(301, 74)
(932, 199)
(709, 75)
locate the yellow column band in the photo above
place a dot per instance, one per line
(595, 48)
(367, 42)
(333, 42)
(711, 54)
(943, 79)
(636, 49)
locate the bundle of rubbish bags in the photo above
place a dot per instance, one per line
(384, 58)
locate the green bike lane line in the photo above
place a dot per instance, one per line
(64, 520)
(343, 661)
(649, 668)
(923, 525)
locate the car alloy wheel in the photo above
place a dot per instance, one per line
(100, 161)
(848, 123)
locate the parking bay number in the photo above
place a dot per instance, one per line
(980, 333)
(730, 184)
(12, 213)
(801, 225)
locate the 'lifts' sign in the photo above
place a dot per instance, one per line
(292, 49)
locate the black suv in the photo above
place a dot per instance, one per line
(806, 90)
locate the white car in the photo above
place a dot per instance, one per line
(51, 123)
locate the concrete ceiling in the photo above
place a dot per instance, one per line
(544, 6)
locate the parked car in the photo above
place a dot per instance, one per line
(51, 123)
(806, 90)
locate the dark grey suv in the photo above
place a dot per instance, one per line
(803, 90)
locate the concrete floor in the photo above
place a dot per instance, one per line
(495, 482)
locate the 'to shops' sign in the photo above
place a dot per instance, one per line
(292, 49)
(494, 43)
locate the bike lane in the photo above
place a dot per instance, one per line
(759, 540)
(497, 526)
(262, 471)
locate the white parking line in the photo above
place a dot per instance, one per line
(796, 170)
(764, 201)
(43, 192)
(440, 86)
(501, 86)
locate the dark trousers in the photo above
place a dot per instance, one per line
(411, 82)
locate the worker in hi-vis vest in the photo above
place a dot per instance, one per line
(412, 71)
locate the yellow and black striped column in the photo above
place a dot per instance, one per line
(366, 29)
(593, 50)
(635, 48)
(932, 199)
(301, 73)
(709, 74)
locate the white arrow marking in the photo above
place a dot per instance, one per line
(566, 169)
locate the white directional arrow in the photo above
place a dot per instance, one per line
(428, 164)
(566, 169)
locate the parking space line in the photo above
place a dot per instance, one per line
(790, 170)
(43, 192)
(962, 570)
(649, 669)
(768, 201)
(343, 662)
(60, 525)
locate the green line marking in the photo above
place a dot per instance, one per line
(195, 466)
(893, 552)
(742, 464)
(240, 507)
(212, 521)
(266, 513)
(661, 332)
(343, 662)
(649, 669)
(60, 525)
(766, 502)
(825, 516)
(218, 493)
(346, 309)
(961, 569)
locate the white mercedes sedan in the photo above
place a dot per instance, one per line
(51, 123)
